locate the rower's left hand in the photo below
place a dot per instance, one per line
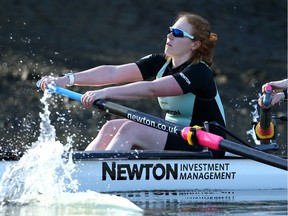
(88, 98)
(261, 104)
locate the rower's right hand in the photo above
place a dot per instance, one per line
(59, 81)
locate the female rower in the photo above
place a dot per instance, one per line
(182, 81)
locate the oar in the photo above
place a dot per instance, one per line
(139, 154)
(265, 129)
(190, 134)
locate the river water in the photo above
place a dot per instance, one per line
(41, 183)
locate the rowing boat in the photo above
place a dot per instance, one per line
(246, 168)
(110, 171)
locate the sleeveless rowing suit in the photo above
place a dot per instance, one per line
(199, 103)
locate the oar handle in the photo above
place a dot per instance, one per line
(265, 113)
(65, 92)
(62, 91)
(267, 95)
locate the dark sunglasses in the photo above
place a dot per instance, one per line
(180, 33)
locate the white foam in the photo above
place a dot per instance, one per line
(41, 182)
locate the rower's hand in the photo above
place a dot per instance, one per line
(261, 104)
(276, 98)
(276, 86)
(88, 98)
(59, 81)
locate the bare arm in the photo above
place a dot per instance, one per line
(166, 86)
(108, 74)
(98, 76)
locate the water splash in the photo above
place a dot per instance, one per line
(255, 116)
(42, 172)
(47, 131)
(41, 181)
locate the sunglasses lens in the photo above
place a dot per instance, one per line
(176, 32)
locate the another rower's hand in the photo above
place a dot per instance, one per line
(59, 81)
(277, 86)
(260, 102)
(276, 98)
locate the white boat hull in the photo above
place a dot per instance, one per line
(111, 175)
(171, 173)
